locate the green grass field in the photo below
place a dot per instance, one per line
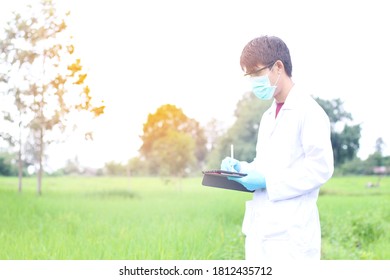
(147, 218)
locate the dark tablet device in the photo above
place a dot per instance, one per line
(224, 173)
(218, 179)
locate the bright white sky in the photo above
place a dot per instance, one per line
(143, 54)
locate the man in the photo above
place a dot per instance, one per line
(294, 158)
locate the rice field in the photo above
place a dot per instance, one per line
(118, 218)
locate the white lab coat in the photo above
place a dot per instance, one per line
(294, 153)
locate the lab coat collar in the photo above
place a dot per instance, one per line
(292, 100)
(290, 103)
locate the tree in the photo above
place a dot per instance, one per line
(13, 115)
(379, 148)
(113, 168)
(173, 154)
(242, 134)
(72, 167)
(7, 165)
(137, 167)
(213, 132)
(344, 136)
(43, 77)
(158, 132)
(377, 159)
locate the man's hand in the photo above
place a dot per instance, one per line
(253, 181)
(230, 164)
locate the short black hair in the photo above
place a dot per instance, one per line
(265, 50)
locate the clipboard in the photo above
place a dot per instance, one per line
(218, 179)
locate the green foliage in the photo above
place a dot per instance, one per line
(365, 230)
(242, 134)
(173, 154)
(113, 168)
(72, 167)
(345, 143)
(354, 166)
(172, 141)
(137, 167)
(335, 110)
(379, 146)
(355, 220)
(364, 167)
(7, 165)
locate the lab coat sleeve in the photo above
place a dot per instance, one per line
(313, 168)
(247, 166)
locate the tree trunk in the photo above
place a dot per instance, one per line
(20, 171)
(20, 163)
(40, 159)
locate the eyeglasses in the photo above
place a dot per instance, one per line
(259, 70)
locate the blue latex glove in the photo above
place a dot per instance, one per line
(253, 181)
(230, 164)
